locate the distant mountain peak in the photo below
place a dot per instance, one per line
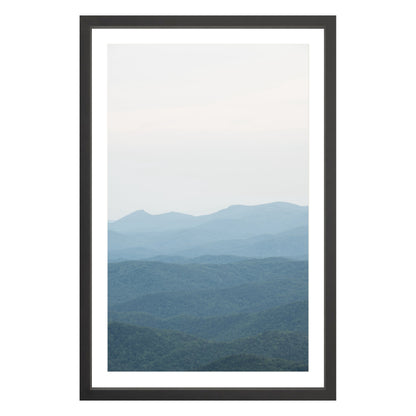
(236, 221)
(172, 214)
(138, 213)
(141, 211)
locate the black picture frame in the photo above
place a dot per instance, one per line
(328, 23)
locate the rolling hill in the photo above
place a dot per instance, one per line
(167, 290)
(133, 348)
(247, 298)
(246, 362)
(290, 317)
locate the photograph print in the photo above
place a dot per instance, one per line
(208, 207)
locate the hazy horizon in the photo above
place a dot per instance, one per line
(208, 213)
(197, 128)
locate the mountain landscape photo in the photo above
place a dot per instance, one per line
(226, 291)
(207, 207)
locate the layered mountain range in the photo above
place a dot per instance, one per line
(220, 292)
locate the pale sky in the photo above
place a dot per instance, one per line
(196, 128)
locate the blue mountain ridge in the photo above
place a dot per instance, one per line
(276, 229)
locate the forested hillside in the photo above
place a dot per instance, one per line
(143, 349)
(208, 317)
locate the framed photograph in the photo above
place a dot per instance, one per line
(207, 208)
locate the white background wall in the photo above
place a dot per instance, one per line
(39, 208)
